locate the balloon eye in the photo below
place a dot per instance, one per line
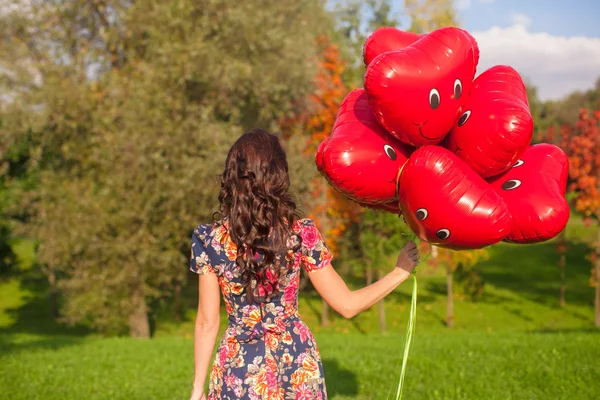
(421, 214)
(518, 163)
(443, 234)
(457, 89)
(464, 118)
(512, 184)
(434, 98)
(390, 152)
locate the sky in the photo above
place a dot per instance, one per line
(553, 44)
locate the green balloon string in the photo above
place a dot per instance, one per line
(410, 330)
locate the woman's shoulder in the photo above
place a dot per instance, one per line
(207, 231)
(203, 230)
(303, 223)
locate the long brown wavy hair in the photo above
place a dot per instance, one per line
(260, 211)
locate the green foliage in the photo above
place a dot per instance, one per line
(131, 108)
(557, 113)
(428, 15)
(382, 234)
(469, 282)
(355, 21)
(7, 256)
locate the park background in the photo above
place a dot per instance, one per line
(115, 119)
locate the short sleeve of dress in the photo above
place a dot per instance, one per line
(200, 262)
(315, 253)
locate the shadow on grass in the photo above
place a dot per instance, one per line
(339, 381)
(531, 271)
(11, 343)
(34, 316)
(590, 330)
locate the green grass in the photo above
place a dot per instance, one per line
(515, 343)
(442, 366)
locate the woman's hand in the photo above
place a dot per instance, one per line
(197, 394)
(408, 258)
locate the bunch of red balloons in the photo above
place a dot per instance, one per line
(449, 151)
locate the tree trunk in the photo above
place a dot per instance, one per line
(597, 298)
(381, 307)
(450, 306)
(562, 264)
(177, 301)
(139, 326)
(369, 274)
(434, 252)
(53, 292)
(563, 279)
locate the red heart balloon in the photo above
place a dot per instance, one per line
(416, 93)
(387, 39)
(446, 203)
(359, 158)
(496, 126)
(319, 155)
(534, 190)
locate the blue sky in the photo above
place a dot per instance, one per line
(553, 44)
(556, 17)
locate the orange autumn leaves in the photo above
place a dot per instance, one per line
(331, 210)
(581, 143)
(584, 159)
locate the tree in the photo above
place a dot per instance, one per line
(584, 160)
(355, 20)
(381, 234)
(561, 249)
(132, 107)
(462, 264)
(330, 209)
(428, 15)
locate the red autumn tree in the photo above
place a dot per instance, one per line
(584, 159)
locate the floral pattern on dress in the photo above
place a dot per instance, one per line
(267, 351)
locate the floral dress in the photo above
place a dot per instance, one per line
(267, 352)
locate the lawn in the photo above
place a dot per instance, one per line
(515, 343)
(442, 366)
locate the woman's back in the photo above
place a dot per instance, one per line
(266, 351)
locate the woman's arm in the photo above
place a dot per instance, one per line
(348, 303)
(206, 327)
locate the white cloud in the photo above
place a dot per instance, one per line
(466, 4)
(462, 4)
(557, 65)
(520, 19)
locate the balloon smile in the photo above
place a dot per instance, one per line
(421, 131)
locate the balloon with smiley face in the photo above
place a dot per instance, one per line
(448, 204)
(417, 92)
(496, 126)
(534, 190)
(360, 158)
(387, 39)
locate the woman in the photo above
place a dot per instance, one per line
(254, 252)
